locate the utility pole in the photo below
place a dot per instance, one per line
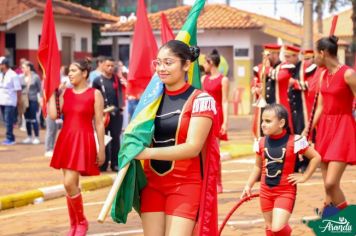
(228, 2)
(275, 8)
(115, 39)
(308, 24)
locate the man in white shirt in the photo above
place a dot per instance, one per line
(10, 92)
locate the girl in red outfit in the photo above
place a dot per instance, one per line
(217, 85)
(336, 136)
(173, 164)
(75, 150)
(275, 164)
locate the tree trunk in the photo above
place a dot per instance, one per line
(319, 13)
(115, 39)
(308, 24)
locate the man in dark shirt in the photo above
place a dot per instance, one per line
(111, 88)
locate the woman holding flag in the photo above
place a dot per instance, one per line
(174, 162)
(75, 150)
(336, 136)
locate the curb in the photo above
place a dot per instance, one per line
(42, 194)
(230, 150)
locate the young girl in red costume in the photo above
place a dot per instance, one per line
(75, 150)
(336, 136)
(275, 164)
(181, 143)
(217, 85)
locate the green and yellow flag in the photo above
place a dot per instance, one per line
(139, 132)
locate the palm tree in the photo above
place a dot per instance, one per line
(319, 7)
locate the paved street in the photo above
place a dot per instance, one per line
(24, 167)
(50, 218)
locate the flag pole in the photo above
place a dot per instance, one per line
(111, 196)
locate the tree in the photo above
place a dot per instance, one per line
(97, 5)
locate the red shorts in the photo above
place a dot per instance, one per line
(277, 197)
(182, 200)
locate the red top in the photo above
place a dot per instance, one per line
(214, 88)
(336, 136)
(75, 148)
(293, 145)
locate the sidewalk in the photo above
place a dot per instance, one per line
(26, 177)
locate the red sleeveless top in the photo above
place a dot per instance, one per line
(75, 148)
(214, 88)
(336, 135)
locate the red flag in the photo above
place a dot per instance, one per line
(166, 31)
(48, 55)
(144, 50)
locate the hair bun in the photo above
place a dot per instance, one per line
(334, 39)
(195, 52)
(215, 52)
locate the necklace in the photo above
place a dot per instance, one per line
(330, 76)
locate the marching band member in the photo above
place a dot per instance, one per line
(275, 165)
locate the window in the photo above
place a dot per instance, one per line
(84, 44)
(241, 52)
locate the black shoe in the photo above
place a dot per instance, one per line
(103, 169)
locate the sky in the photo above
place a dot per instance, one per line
(284, 8)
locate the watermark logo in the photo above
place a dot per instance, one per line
(343, 223)
(332, 226)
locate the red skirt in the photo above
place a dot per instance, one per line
(336, 138)
(76, 150)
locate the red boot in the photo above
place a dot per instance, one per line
(285, 231)
(218, 181)
(82, 223)
(72, 217)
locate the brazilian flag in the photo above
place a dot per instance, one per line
(139, 132)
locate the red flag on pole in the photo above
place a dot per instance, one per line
(48, 55)
(166, 31)
(144, 50)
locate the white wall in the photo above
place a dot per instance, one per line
(64, 27)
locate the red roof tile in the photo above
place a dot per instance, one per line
(213, 16)
(13, 8)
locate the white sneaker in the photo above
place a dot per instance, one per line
(36, 141)
(48, 154)
(27, 140)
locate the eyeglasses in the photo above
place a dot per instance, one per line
(166, 62)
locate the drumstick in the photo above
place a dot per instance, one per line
(109, 109)
(111, 196)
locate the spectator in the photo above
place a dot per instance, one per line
(10, 92)
(99, 69)
(32, 88)
(112, 89)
